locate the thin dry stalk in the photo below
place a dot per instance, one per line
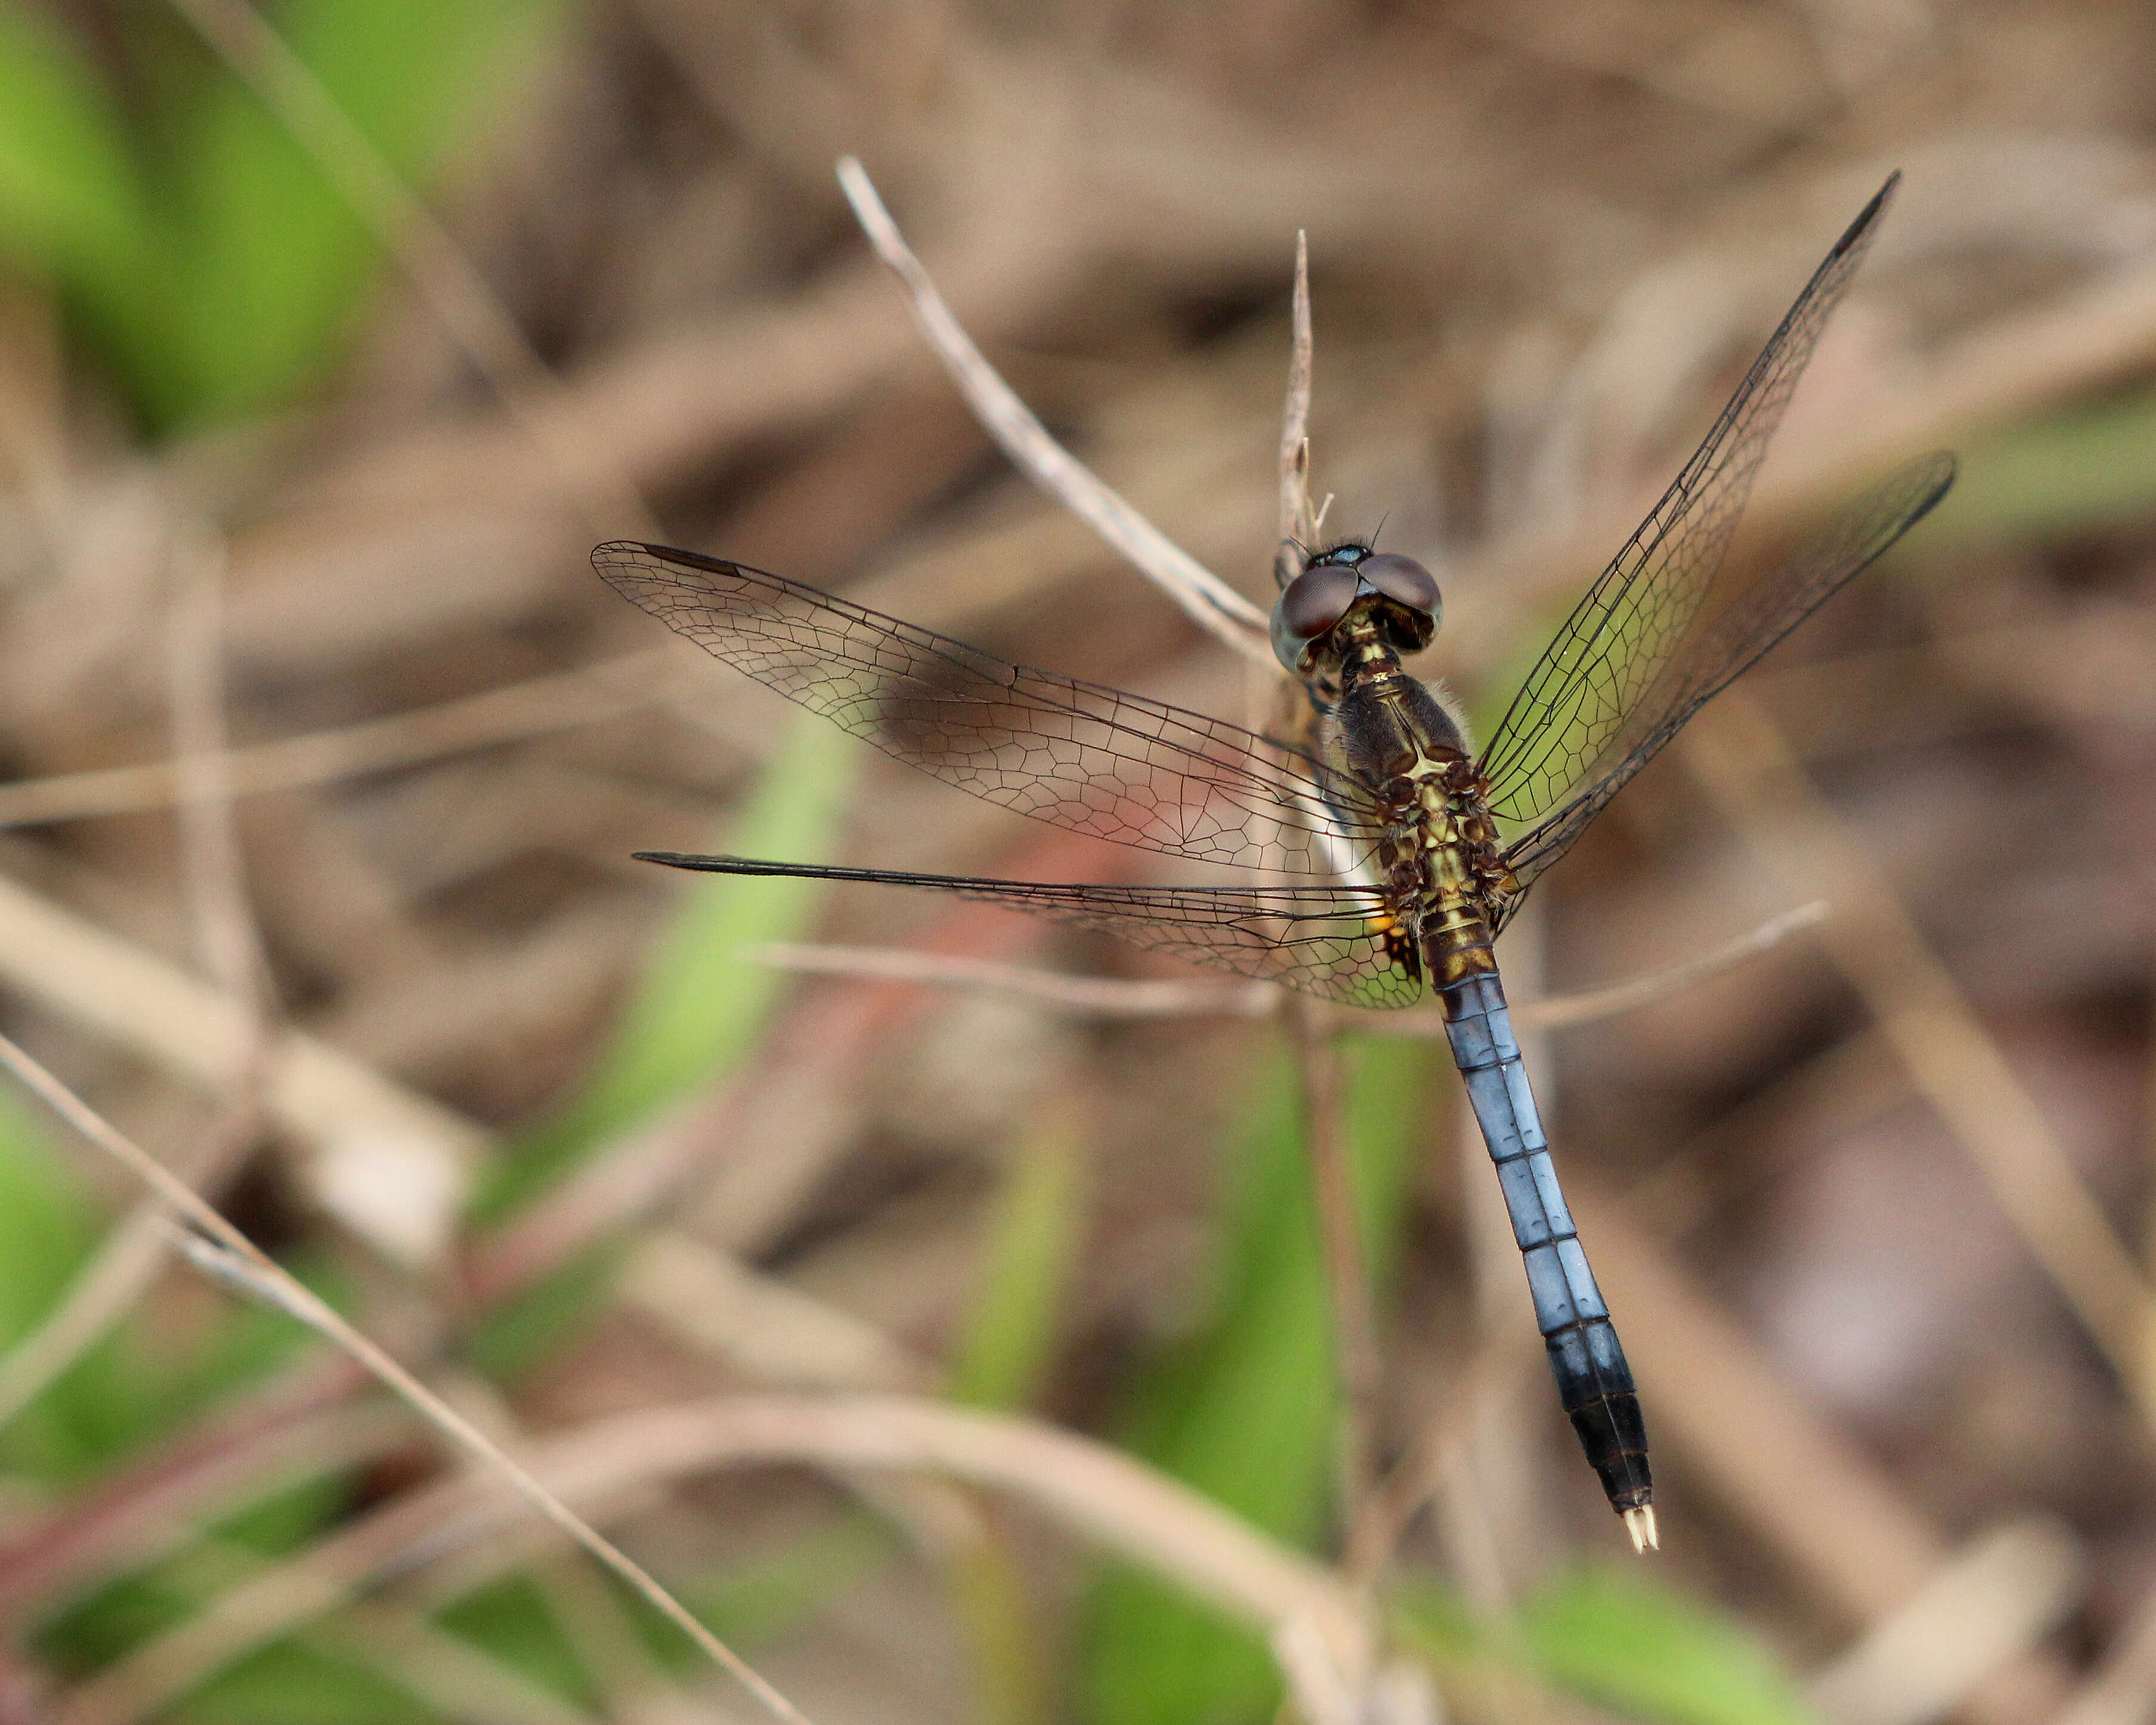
(444, 1670)
(448, 282)
(758, 1323)
(602, 1633)
(1097, 1492)
(1358, 1364)
(1506, 1355)
(1082, 996)
(1104, 997)
(1215, 606)
(1750, 771)
(1559, 1011)
(230, 947)
(140, 1002)
(1295, 521)
(1357, 1359)
(308, 1428)
(229, 1254)
(1995, 1598)
(399, 1645)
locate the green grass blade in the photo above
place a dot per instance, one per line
(697, 1011)
(274, 262)
(1626, 1642)
(71, 202)
(2080, 471)
(1616, 1638)
(699, 1007)
(1245, 1412)
(1033, 1234)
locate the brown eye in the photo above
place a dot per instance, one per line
(1316, 599)
(1402, 580)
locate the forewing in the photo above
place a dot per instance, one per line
(1077, 755)
(1335, 942)
(1731, 645)
(1607, 656)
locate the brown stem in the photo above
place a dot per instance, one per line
(1359, 1366)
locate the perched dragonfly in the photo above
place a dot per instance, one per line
(1383, 863)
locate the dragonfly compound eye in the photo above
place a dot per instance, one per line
(1402, 580)
(1316, 599)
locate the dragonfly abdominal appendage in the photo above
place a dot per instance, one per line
(1380, 868)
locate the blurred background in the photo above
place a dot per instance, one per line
(334, 334)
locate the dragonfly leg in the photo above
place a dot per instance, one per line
(1593, 1382)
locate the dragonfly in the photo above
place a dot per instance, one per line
(1377, 864)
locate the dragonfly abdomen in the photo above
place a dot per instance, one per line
(1593, 1381)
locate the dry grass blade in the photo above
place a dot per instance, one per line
(1359, 1363)
(1215, 606)
(1559, 1011)
(229, 1253)
(135, 999)
(1295, 521)
(1084, 996)
(230, 946)
(1104, 997)
(445, 1671)
(1096, 1491)
(1995, 1598)
(309, 1428)
(775, 1334)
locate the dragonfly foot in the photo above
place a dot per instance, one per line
(1640, 1523)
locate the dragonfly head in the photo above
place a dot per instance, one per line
(1352, 581)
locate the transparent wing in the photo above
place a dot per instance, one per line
(1335, 942)
(1606, 657)
(1732, 644)
(1077, 755)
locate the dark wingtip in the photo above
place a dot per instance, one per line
(636, 550)
(1942, 467)
(711, 865)
(1868, 217)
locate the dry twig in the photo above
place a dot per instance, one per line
(231, 950)
(1083, 996)
(1215, 606)
(139, 1002)
(1107, 997)
(1295, 521)
(1096, 1491)
(220, 1249)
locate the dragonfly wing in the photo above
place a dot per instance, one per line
(1606, 655)
(1734, 642)
(1333, 942)
(1078, 755)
